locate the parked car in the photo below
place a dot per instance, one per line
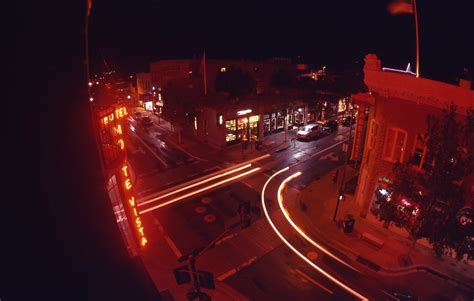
(147, 120)
(329, 126)
(311, 131)
(346, 121)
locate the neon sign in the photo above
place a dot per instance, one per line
(132, 204)
(111, 123)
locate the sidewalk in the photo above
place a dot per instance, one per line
(370, 244)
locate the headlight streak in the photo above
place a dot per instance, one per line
(298, 229)
(294, 249)
(199, 190)
(195, 184)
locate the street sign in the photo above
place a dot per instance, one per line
(206, 279)
(182, 275)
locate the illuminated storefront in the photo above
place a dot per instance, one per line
(242, 128)
(120, 178)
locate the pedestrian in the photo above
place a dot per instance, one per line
(335, 176)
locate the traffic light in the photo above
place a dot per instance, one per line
(182, 275)
(206, 279)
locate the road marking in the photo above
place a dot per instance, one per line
(390, 295)
(233, 271)
(169, 241)
(151, 151)
(313, 281)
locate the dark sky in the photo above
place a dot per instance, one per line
(129, 34)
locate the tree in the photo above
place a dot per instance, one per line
(282, 78)
(235, 82)
(427, 204)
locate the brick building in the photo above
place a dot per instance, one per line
(391, 123)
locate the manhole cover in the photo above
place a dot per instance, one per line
(206, 200)
(312, 255)
(209, 218)
(200, 209)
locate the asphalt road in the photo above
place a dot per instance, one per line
(278, 274)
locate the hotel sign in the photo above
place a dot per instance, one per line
(115, 160)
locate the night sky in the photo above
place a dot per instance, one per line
(336, 33)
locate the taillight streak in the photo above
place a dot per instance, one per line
(200, 190)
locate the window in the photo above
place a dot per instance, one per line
(231, 130)
(374, 126)
(422, 158)
(394, 146)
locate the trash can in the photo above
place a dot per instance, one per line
(348, 223)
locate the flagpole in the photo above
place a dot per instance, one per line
(415, 12)
(205, 77)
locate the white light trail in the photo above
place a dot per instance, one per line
(353, 292)
(195, 184)
(200, 190)
(298, 229)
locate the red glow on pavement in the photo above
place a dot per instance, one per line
(200, 190)
(353, 292)
(298, 229)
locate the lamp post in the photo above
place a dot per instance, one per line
(340, 196)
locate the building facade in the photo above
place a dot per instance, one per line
(392, 122)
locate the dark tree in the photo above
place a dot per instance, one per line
(235, 82)
(428, 204)
(282, 78)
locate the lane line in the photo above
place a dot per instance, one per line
(313, 281)
(233, 271)
(200, 190)
(168, 239)
(329, 276)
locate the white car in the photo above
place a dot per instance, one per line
(311, 131)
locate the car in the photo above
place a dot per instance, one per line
(147, 120)
(311, 131)
(329, 126)
(137, 116)
(346, 121)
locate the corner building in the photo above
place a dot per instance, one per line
(392, 122)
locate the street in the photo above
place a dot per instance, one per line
(254, 261)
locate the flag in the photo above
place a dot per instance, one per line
(89, 6)
(398, 7)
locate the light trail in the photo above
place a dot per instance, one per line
(353, 292)
(178, 188)
(195, 184)
(200, 190)
(298, 229)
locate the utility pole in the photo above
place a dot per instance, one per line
(340, 196)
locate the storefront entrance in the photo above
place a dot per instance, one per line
(241, 128)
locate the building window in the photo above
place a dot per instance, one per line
(374, 126)
(422, 158)
(231, 131)
(394, 146)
